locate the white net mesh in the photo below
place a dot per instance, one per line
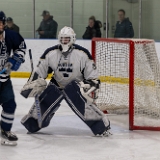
(112, 60)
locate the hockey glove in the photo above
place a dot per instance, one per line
(31, 89)
(89, 89)
(16, 61)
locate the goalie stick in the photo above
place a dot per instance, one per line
(31, 60)
(38, 109)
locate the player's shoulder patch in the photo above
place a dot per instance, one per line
(48, 50)
(78, 47)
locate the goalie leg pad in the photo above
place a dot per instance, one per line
(88, 112)
(49, 102)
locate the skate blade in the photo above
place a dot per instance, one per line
(106, 134)
(6, 142)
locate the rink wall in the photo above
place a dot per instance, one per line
(39, 46)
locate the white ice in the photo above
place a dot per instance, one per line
(68, 138)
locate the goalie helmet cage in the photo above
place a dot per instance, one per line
(130, 79)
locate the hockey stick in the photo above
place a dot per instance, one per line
(37, 96)
(31, 60)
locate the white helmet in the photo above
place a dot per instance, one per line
(66, 32)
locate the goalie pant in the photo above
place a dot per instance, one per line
(49, 102)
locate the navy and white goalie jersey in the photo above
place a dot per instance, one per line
(77, 64)
(12, 42)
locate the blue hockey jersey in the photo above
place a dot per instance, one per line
(12, 42)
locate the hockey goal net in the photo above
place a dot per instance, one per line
(129, 71)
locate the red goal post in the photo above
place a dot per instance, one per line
(131, 64)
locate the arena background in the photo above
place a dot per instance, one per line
(143, 14)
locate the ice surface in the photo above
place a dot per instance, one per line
(68, 138)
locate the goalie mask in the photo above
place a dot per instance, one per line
(66, 37)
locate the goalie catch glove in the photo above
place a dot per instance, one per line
(34, 86)
(89, 89)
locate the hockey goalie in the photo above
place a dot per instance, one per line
(75, 80)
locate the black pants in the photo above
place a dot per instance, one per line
(7, 101)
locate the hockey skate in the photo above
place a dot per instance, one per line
(8, 138)
(106, 133)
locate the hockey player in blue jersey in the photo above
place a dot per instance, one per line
(75, 80)
(9, 41)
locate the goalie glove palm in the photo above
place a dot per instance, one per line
(89, 89)
(31, 89)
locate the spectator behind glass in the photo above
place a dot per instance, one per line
(48, 26)
(93, 29)
(124, 28)
(11, 25)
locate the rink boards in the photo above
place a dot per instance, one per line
(39, 46)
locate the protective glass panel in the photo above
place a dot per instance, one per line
(21, 12)
(123, 28)
(82, 10)
(59, 15)
(150, 22)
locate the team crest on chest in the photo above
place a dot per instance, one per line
(65, 68)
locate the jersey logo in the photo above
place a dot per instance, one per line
(65, 68)
(3, 55)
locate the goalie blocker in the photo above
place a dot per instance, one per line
(49, 102)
